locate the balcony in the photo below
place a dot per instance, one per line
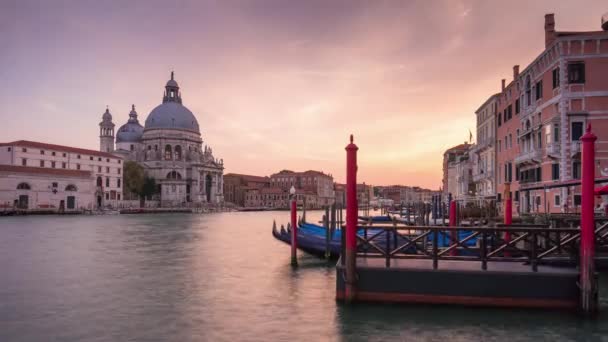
(485, 174)
(575, 148)
(553, 150)
(529, 157)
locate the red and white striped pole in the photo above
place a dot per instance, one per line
(588, 283)
(294, 228)
(352, 213)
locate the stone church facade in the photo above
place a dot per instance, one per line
(170, 148)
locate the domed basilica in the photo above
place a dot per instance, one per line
(170, 148)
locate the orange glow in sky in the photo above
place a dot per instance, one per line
(275, 84)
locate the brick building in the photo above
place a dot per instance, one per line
(237, 185)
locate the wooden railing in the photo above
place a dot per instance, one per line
(529, 244)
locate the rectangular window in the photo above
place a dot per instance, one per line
(64, 155)
(119, 170)
(99, 169)
(53, 165)
(53, 153)
(576, 72)
(63, 165)
(576, 170)
(118, 183)
(510, 172)
(555, 171)
(499, 119)
(42, 163)
(55, 184)
(506, 172)
(517, 109)
(91, 158)
(41, 151)
(556, 201)
(510, 111)
(78, 156)
(8, 149)
(77, 166)
(539, 89)
(539, 173)
(555, 133)
(516, 196)
(24, 162)
(517, 174)
(108, 160)
(107, 169)
(555, 78)
(99, 159)
(107, 182)
(577, 199)
(24, 149)
(498, 197)
(577, 130)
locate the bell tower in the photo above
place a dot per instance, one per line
(106, 132)
(172, 93)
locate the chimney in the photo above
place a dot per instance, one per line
(515, 72)
(549, 29)
(503, 84)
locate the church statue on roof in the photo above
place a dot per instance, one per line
(170, 148)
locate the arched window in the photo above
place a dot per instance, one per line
(99, 181)
(23, 186)
(178, 152)
(71, 187)
(168, 152)
(174, 175)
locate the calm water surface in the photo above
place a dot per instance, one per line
(214, 277)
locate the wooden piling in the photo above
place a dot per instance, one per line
(351, 220)
(588, 280)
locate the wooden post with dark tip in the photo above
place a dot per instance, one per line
(351, 220)
(294, 232)
(508, 218)
(588, 281)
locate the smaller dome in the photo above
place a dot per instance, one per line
(106, 115)
(171, 83)
(129, 132)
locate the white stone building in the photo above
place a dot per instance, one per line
(483, 155)
(170, 148)
(54, 167)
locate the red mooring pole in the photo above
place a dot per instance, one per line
(454, 233)
(587, 249)
(294, 233)
(352, 213)
(508, 218)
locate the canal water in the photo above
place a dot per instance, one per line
(215, 277)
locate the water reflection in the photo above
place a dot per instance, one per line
(218, 277)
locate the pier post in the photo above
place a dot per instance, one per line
(327, 232)
(588, 285)
(294, 228)
(351, 219)
(452, 223)
(508, 218)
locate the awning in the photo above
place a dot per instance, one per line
(603, 190)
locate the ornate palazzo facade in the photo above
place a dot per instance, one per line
(170, 148)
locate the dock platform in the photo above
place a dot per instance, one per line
(507, 284)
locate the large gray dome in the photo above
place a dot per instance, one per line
(172, 115)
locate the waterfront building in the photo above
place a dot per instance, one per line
(401, 194)
(319, 183)
(340, 194)
(45, 189)
(237, 185)
(484, 153)
(543, 112)
(451, 159)
(42, 165)
(170, 148)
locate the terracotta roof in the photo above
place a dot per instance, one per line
(461, 147)
(248, 178)
(62, 148)
(45, 171)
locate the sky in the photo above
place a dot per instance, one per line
(275, 84)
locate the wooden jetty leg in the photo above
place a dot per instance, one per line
(589, 296)
(453, 233)
(327, 232)
(294, 230)
(508, 218)
(351, 220)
